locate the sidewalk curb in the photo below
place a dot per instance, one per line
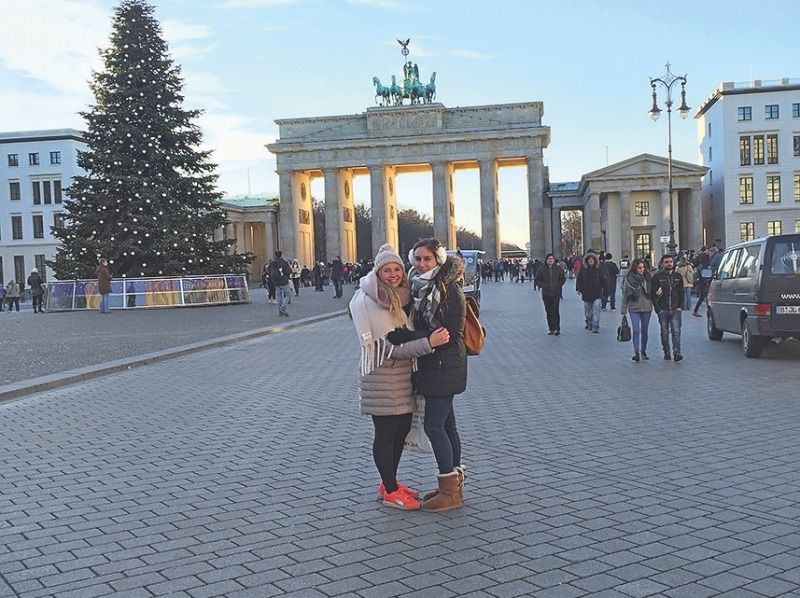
(31, 386)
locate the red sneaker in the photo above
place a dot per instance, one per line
(412, 493)
(400, 500)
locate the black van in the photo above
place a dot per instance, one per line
(756, 292)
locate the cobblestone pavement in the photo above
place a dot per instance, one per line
(246, 472)
(56, 342)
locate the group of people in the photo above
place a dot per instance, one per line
(10, 294)
(410, 329)
(517, 269)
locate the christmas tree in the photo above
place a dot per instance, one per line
(148, 199)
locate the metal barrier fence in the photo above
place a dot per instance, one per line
(145, 293)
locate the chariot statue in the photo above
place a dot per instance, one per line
(411, 88)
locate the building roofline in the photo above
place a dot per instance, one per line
(41, 135)
(756, 86)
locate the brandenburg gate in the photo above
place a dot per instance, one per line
(392, 139)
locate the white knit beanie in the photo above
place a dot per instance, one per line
(387, 255)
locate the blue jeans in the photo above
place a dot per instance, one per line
(640, 321)
(284, 293)
(591, 313)
(104, 309)
(337, 285)
(440, 427)
(670, 323)
(687, 298)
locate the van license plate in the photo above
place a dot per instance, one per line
(787, 309)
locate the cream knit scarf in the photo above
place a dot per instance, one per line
(373, 321)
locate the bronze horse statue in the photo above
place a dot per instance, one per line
(382, 92)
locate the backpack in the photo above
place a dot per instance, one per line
(474, 333)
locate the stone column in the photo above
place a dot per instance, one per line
(592, 235)
(626, 246)
(383, 207)
(228, 235)
(555, 225)
(536, 206)
(490, 208)
(347, 214)
(303, 219)
(333, 214)
(287, 215)
(241, 241)
(695, 217)
(271, 238)
(444, 221)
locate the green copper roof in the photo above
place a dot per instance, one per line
(254, 201)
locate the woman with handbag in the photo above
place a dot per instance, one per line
(436, 282)
(381, 304)
(636, 300)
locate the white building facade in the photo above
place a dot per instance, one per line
(749, 138)
(35, 168)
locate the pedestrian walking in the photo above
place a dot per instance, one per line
(436, 281)
(702, 266)
(550, 278)
(592, 286)
(12, 295)
(104, 278)
(266, 282)
(296, 271)
(381, 304)
(37, 290)
(279, 273)
(337, 276)
(318, 273)
(667, 296)
(636, 302)
(612, 272)
(686, 270)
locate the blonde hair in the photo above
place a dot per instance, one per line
(393, 299)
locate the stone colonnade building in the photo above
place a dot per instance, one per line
(626, 206)
(384, 142)
(253, 225)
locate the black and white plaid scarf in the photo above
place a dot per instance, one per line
(426, 295)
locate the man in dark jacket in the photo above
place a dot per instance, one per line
(550, 278)
(667, 296)
(104, 278)
(337, 276)
(37, 291)
(612, 272)
(592, 285)
(279, 272)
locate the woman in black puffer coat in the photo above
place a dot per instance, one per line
(436, 281)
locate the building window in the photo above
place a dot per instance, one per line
(758, 149)
(55, 157)
(641, 208)
(709, 129)
(37, 193)
(796, 110)
(796, 145)
(747, 231)
(744, 113)
(38, 226)
(19, 269)
(16, 227)
(58, 220)
(772, 149)
(796, 186)
(771, 111)
(710, 177)
(774, 189)
(745, 189)
(57, 191)
(13, 190)
(13, 159)
(796, 231)
(710, 154)
(47, 196)
(41, 266)
(3, 280)
(774, 228)
(33, 159)
(643, 246)
(744, 151)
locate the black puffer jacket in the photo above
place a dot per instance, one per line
(551, 279)
(444, 372)
(592, 282)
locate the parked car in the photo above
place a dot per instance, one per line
(473, 262)
(756, 292)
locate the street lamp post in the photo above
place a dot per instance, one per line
(667, 81)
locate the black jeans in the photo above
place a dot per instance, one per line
(337, 285)
(387, 446)
(440, 427)
(12, 301)
(702, 290)
(551, 309)
(611, 295)
(37, 302)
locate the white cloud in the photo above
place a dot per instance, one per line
(255, 3)
(470, 55)
(385, 4)
(178, 31)
(53, 41)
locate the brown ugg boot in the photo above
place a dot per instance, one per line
(448, 497)
(462, 477)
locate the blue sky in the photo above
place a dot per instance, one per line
(248, 62)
